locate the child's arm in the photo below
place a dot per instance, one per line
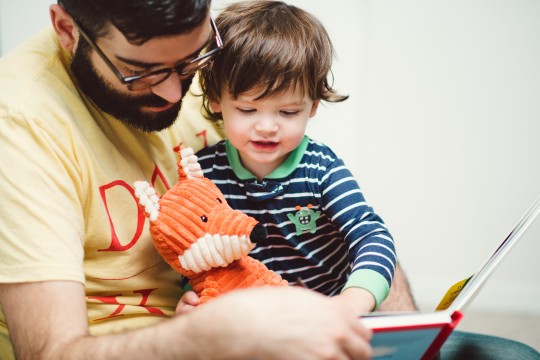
(370, 245)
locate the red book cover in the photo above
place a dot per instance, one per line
(410, 336)
(443, 335)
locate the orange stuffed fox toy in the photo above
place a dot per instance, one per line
(200, 236)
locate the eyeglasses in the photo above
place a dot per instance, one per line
(153, 78)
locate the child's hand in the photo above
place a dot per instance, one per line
(187, 302)
(356, 300)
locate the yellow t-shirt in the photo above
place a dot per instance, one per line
(66, 183)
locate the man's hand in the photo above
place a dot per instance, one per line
(277, 323)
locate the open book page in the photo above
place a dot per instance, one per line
(452, 294)
(473, 285)
(405, 320)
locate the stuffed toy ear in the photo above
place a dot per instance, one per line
(188, 165)
(148, 199)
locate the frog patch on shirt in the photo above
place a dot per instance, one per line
(305, 219)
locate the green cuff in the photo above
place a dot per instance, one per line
(187, 287)
(371, 281)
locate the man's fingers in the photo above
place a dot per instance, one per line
(357, 347)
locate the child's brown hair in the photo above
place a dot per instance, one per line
(271, 46)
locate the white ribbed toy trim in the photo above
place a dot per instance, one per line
(148, 198)
(215, 251)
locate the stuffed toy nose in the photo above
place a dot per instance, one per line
(258, 233)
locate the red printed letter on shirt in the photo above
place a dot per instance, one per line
(116, 245)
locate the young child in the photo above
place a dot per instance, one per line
(265, 85)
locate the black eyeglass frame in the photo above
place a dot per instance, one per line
(129, 80)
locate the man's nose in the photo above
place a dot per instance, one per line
(170, 89)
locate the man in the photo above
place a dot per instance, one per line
(85, 111)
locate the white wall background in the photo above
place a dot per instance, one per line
(442, 129)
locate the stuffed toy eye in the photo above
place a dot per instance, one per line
(219, 200)
(204, 218)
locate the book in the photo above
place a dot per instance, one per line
(420, 335)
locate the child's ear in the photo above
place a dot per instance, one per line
(314, 108)
(215, 106)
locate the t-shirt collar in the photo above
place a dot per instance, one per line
(284, 170)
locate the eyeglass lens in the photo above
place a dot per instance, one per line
(184, 71)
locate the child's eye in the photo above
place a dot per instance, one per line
(289, 112)
(246, 111)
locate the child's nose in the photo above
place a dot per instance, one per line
(266, 124)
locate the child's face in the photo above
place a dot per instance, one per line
(265, 131)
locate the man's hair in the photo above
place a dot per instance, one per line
(138, 20)
(271, 46)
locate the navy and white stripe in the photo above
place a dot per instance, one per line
(349, 234)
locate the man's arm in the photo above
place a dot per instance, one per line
(400, 297)
(263, 323)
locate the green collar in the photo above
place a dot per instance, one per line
(282, 171)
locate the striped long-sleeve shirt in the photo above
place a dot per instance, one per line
(320, 228)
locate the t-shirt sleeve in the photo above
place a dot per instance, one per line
(41, 223)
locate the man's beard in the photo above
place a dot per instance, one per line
(124, 107)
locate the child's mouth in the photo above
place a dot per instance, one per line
(265, 145)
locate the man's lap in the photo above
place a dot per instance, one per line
(465, 345)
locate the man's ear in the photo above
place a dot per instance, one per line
(64, 27)
(314, 108)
